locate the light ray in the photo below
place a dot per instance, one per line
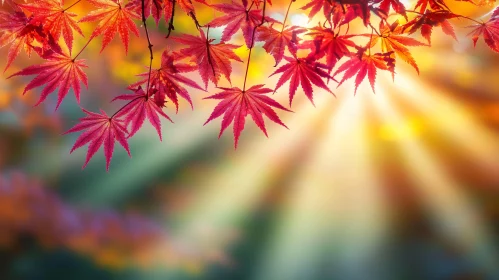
(335, 209)
(454, 214)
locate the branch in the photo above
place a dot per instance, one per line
(253, 42)
(149, 46)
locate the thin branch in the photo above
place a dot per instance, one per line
(149, 46)
(253, 42)
(170, 23)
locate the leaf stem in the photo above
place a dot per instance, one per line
(84, 47)
(208, 51)
(374, 29)
(126, 105)
(149, 46)
(71, 6)
(286, 16)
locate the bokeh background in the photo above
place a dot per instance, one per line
(401, 184)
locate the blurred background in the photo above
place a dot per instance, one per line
(401, 184)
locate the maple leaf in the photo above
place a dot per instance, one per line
(327, 43)
(60, 71)
(392, 39)
(276, 42)
(100, 130)
(212, 59)
(364, 64)
(166, 80)
(316, 6)
(426, 22)
(15, 29)
(113, 17)
(236, 104)
(302, 71)
(140, 106)
(396, 5)
(433, 4)
(357, 9)
(55, 19)
(489, 30)
(238, 17)
(257, 2)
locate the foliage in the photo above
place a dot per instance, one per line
(305, 56)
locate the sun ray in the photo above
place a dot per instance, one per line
(455, 120)
(453, 212)
(334, 212)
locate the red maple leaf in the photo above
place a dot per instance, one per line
(257, 3)
(100, 130)
(302, 71)
(357, 9)
(489, 31)
(167, 79)
(326, 43)
(60, 71)
(364, 64)
(114, 17)
(277, 41)
(426, 22)
(236, 104)
(396, 5)
(330, 9)
(140, 106)
(15, 29)
(212, 59)
(433, 4)
(238, 16)
(55, 19)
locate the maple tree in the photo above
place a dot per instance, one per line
(322, 55)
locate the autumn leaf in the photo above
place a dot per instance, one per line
(489, 31)
(54, 18)
(60, 71)
(257, 3)
(113, 17)
(140, 106)
(167, 79)
(392, 39)
(238, 16)
(100, 130)
(433, 4)
(357, 9)
(277, 41)
(364, 64)
(316, 6)
(426, 22)
(326, 43)
(15, 29)
(396, 5)
(302, 71)
(236, 104)
(212, 59)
